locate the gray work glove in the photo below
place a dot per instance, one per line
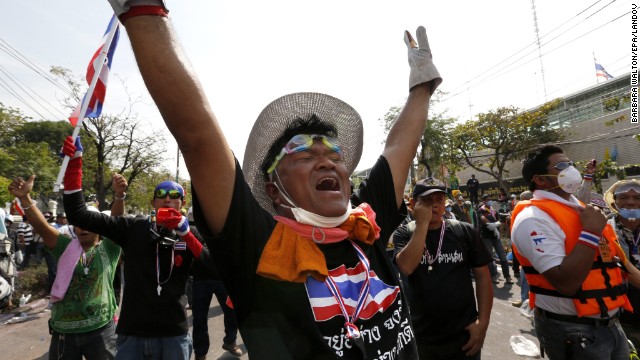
(420, 60)
(493, 225)
(122, 6)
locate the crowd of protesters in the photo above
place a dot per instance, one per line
(304, 265)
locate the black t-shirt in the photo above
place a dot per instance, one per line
(442, 300)
(473, 185)
(276, 318)
(144, 313)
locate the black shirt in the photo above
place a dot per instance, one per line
(442, 300)
(144, 313)
(276, 318)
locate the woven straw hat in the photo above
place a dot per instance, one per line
(275, 118)
(609, 194)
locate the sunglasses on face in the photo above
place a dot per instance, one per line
(563, 165)
(303, 142)
(162, 193)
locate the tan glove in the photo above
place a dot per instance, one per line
(420, 60)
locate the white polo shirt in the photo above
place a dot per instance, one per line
(541, 240)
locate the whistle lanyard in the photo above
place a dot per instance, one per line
(430, 259)
(160, 283)
(352, 329)
(86, 261)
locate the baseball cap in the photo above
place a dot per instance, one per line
(428, 186)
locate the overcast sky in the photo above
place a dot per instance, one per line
(248, 53)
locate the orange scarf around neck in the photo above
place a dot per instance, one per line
(291, 254)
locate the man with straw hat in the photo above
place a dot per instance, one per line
(623, 199)
(276, 227)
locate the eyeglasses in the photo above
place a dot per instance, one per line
(162, 193)
(302, 142)
(563, 165)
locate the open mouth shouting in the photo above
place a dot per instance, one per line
(328, 184)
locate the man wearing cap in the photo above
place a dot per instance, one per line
(158, 251)
(436, 253)
(623, 199)
(570, 257)
(314, 281)
(61, 220)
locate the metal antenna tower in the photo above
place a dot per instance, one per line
(535, 27)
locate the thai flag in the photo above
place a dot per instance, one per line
(17, 207)
(97, 65)
(349, 281)
(600, 71)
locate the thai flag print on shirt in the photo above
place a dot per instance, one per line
(537, 239)
(96, 99)
(350, 281)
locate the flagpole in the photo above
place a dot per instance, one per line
(177, 165)
(86, 100)
(595, 62)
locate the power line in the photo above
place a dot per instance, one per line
(12, 78)
(17, 96)
(528, 45)
(14, 53)
(500, 71)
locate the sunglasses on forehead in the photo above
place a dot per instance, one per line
(162, 193)
(627, 187)
(563, 165)
(302, 142)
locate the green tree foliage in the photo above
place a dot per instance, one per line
(121, 143)
(140, 193)
(503, 135)
(10, 121)
(434, 153)
(33, 158)
(51, 133)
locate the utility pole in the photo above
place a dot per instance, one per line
(535, 27)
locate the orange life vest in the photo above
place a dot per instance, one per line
(603, 289)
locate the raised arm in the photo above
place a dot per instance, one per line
(404, 137)
(410, 256)
(174, 87)
(119, 186)
(21, 189)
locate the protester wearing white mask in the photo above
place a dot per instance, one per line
(623, 198)
(570, 258)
